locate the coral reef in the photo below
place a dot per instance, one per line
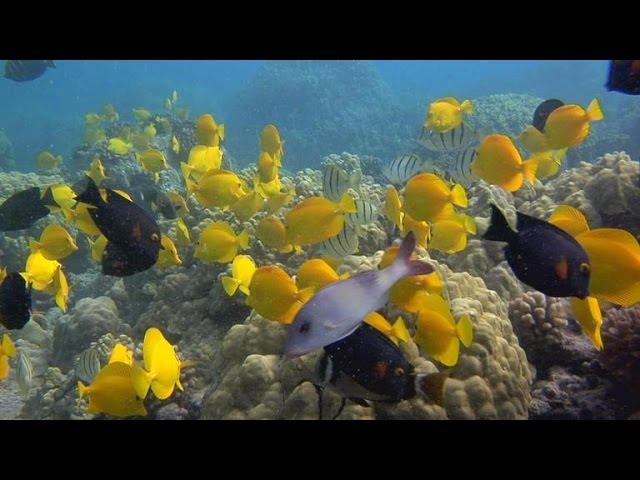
(7, 161)
(621, 355)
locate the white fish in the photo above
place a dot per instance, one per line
(24, 372)
(339, 308)
(365, 214)
(403, 167)
(450, 141)
(343, 244)
(335, 182)
(88, 365)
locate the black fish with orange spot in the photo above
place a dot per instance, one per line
(543, 111)
(21, 210)
(366, 365)
(132, 232)
(15, 301)
(542, 255)
(624, 76)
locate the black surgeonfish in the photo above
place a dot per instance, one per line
(624, 76)
(25, 70)
(542, 255)
(150, 196)
(543, 111)
(132, 230)
(366, 365)
(21, 210)
(15, 301)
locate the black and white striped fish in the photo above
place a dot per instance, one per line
(365, 213)
(88, 365)
(456, 139)
(403, 167)
(343, 244)
(458, 167)
(24, 372)
(335, 182)
(25, 70)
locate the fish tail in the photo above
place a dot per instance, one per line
(230, 285)
(400, 331)
(305, 294)
(431, 386)
(82, 389)
(464, 329)
(91, 196)
(47, 198)
(411, 267)
(594, 111)
(529, 169)
(499, 229)
(347, 204)
(466, 107)
(243, 239)
(459, 196)
(141, 380)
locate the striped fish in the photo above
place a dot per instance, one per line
(403, 167)
(24, 372)
(88, 365)
(458, 168)
(456, 139)
(365, 213)
(335, 182)
(343, 244)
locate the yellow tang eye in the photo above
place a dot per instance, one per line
(585, 268)
(398, 371)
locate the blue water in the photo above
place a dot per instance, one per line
(48, 113)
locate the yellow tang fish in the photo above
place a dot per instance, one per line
(397, 332)
(242, 270)
(7, 351)
(178, 202)
(183, 237)
(450, 234)
(549, 163)
(59, 288)
(499, 163)
(219, 243)
(96, 172)
(112, 392)
(55, 243)
(121, 354)
(92, 118)
(175, 145)
(273, 234)
(119, 146)
(438, 333)
(278, 200)
(60, 198)
(48, 161)
(426, 197)
(316, 219)
(274, 295)
(152, 161)
(168, 255)
(421, 229)
(161, 367)
(247, 206)
(393, 207)
(271, 143)
(109, 113)
(84, 222)
(97, 247)
(141, 114)
(40, 271)
(316, 273)
(208, 132)
(447, 113)
(150, 131)
(267, 168)
(201, 159)
(589, 315)
(217, 188)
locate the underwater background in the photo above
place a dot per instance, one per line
(529, 357)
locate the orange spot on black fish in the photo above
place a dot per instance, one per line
(380, 369)
(562, 269)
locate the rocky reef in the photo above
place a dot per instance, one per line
(7, 161)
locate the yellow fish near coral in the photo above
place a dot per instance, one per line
(112, 392)
(278, 200)
(393, 207)
(438, 333)
(242, 270)
(122, 354)
(316, 273)
(275, 296)
(119, 146)
(161, 367)
(84, 222)
(150, 131)
(175, 145)
(208, 132)
(267, 168)
(447, 113)
(109, 113)
(567, 126)
(92, 118)
(59, 288)
(178, 202)
(183, 237)
(96, 172)
(426, 197)
(7, 351)
(217, 188)
(60, 198)
(549, 163)
(40, 271)
(397, 332)
(219, 243)
(273, 234)
(499, 163)
(97, 247)
(588, 314)
(141, 114)
(152, 161)
(421, 229)
(168, 255)
(271, 143)
(201, 159)
(316, 219)
(48, 161)
(247, 206)
(449, 235)
(55, 243)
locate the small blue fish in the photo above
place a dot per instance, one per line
(338, 309)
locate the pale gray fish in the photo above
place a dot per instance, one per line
(455, 139)
(24, 372)
(88, 365)
(365, 214)
(458, 167)
(403, 167)
(343, 244)
(335, 182)
(339, 308)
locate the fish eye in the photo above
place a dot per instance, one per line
(154, 237)
(398, 371)
(585, 268)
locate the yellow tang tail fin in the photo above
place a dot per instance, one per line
(8, 348)
(459, 196)
(594, 111)
(589, 315)
(464, 329)
(347, 204)
(141, 380)
(466, 107)
(243, 239)
(470, 225)
(529, 169)
(230, 285)
(244, 289)
(82, 389)
(305, 294)
(399, 330)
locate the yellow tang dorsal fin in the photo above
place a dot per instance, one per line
(569, 219)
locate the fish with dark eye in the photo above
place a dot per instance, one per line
(542, 255)
(15, 301)
(133, 234)
(21, 210)
(25, 70)
(339, 308)
(624, 76)
(543, 111)
(367, 365)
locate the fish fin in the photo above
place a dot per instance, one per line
(91, 195)
(243, 239)
(459, 196)
(221, 131)
(413, 267)
(594, 111)
(8, 348)
(82, 389)
(534, 140)
(244, 289)
(569, 219)
(449, 357)
(529, 169)
(464, 329)
(499, 229)
(431, 386)
(466, 107)
(230, 285)
(347, 204)
(141, 380)
(34, 245)
(627, 297)
(589, 316)
(179, 385)
(400, 331)
(305, 294)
